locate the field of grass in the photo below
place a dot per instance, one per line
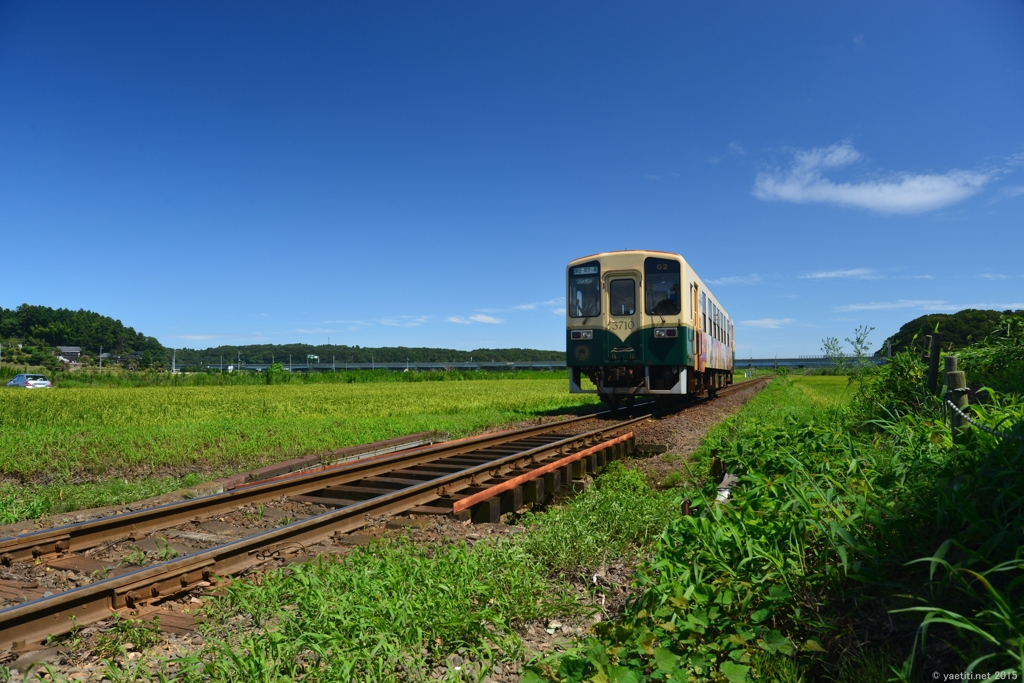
(65, 439)
(824, 390)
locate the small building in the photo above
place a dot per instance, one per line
(72, 353)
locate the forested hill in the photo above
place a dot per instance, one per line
(266, 353)
(958, 329)
(64, 327)
(89, 330)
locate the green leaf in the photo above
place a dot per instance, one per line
(572, 669)
(736, 673)
(760, 615)
(531, 677)
(813, 645)
(665, 659)
(938, 556)
(621, 674)
(776, 642)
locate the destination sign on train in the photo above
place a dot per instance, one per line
(585, 270)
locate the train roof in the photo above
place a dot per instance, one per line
(625, 251)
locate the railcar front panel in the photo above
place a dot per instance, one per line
(641, 322)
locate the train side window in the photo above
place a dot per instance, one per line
(663, 291)
(703, 312)
(585, 290)
(622, 297)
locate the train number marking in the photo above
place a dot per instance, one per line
(621, 325)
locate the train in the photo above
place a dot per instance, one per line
(643, 323)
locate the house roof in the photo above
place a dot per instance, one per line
(70, 349)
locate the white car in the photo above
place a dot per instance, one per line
(30, 382)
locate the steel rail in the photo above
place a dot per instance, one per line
(84, 535)
(34, 621)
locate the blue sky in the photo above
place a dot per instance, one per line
(420, 173)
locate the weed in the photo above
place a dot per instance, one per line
(393, 610)
(135, 632)
(833, 502)
(164, 551)
(673, 480)
(135, 558)
(618, 518)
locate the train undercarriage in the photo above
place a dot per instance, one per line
(620, 385)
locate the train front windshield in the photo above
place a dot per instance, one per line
(662, 286)
(585, 290)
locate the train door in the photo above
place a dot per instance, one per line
(625, 343)
(699, 342)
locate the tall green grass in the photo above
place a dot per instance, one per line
(836, 506)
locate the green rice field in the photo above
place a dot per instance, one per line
(824, 390)
(98, 433)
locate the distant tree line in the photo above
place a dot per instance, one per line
(64, 327)
(958, 330)
(267, 353)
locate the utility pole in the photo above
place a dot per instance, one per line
(289, 362)
(334, 366)
(174, 358)
(239, 359)
(222, 362)
(101, 356)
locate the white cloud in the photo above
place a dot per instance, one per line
(925, 305)
(769, 323)
(855, 273)
(363, 323)
(736, 148)
(905, 193)
(1015, 191)
(736, 280)
(478, 318)
(557, 301)
(405, 320)
(315, 330)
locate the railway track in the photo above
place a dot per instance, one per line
(54, 580)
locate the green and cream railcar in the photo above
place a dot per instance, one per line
(643, 323)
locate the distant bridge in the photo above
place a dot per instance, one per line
(469, 366)
(401, 367)
(800, 362)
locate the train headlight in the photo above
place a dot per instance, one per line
(665, 333)
(582, 334)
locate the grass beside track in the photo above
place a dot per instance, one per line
(824, 390)
(62, 446)
(398, 611)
